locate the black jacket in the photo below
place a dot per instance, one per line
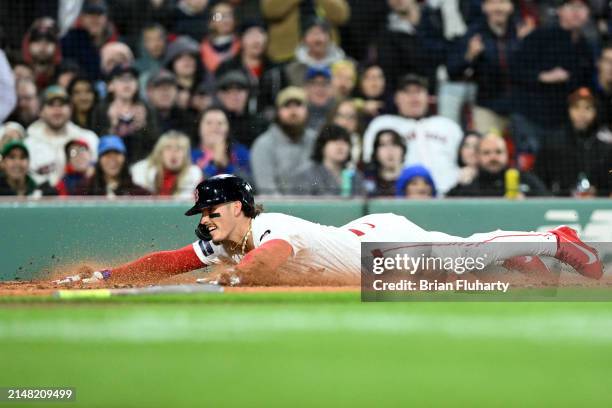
(493, 185)
(543, 50)
(561, 161)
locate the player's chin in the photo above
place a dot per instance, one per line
(217, 236)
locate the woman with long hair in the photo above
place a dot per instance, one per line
(216, 153)
(387, 163)
(168, 170)
(83, 99)
(111, 175)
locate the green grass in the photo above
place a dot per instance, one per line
(308, 350)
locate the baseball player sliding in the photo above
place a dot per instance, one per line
(249, 246)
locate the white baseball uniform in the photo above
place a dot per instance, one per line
(337, 250)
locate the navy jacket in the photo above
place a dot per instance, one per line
(543, 50)
(491, 69)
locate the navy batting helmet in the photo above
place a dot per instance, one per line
(223, 189)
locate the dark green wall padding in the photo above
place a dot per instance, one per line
(36, 237)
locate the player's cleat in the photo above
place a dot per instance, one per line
(531, 265)
(572, 251)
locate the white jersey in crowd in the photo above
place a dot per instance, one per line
(47, 155)
(337, 250)
(432, 142)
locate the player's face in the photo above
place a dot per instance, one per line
(220, 220)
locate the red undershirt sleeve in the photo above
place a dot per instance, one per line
(158, 265)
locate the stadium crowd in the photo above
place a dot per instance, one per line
(407, 98)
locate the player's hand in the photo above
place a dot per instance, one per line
(87, 278)
(222, 275)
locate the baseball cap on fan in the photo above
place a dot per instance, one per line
(98, 7)
(290, 94)
(111, 143)
(53, 93)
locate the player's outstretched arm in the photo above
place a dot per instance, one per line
(151, 267)
(260, 266)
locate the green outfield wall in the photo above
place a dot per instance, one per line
(46, 235)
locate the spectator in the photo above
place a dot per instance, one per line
(65, 73)
(7, 88)
(216, 153)
(492, 167)
(84, 42)
(316, 51)
(111, 176)
(325, 174)
(22, 71)
(347, 114)
(400, 49)
(168, 170)
(151, 51)
(344, 78)
(415, 182)
(41, 50)
(14, 178)
(285, 146)
(484, 54)
(603, 85)
(443, 23)
(433, 141)
(113, 54)
(202, 98)
(319, 95)
(221, 43)
(191, 18)
(48, 136)
(83, 99)
(79, 169)
(28, 104)
(11, 132)
(546, 77)
(233, 95)
(183, 59)
(286, 18)
(123, 114)
(265, 79)
(578, 163)
(387, 162)
(468, 157)
(372, 88)
(162, 92)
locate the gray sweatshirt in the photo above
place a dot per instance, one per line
(275, 159)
